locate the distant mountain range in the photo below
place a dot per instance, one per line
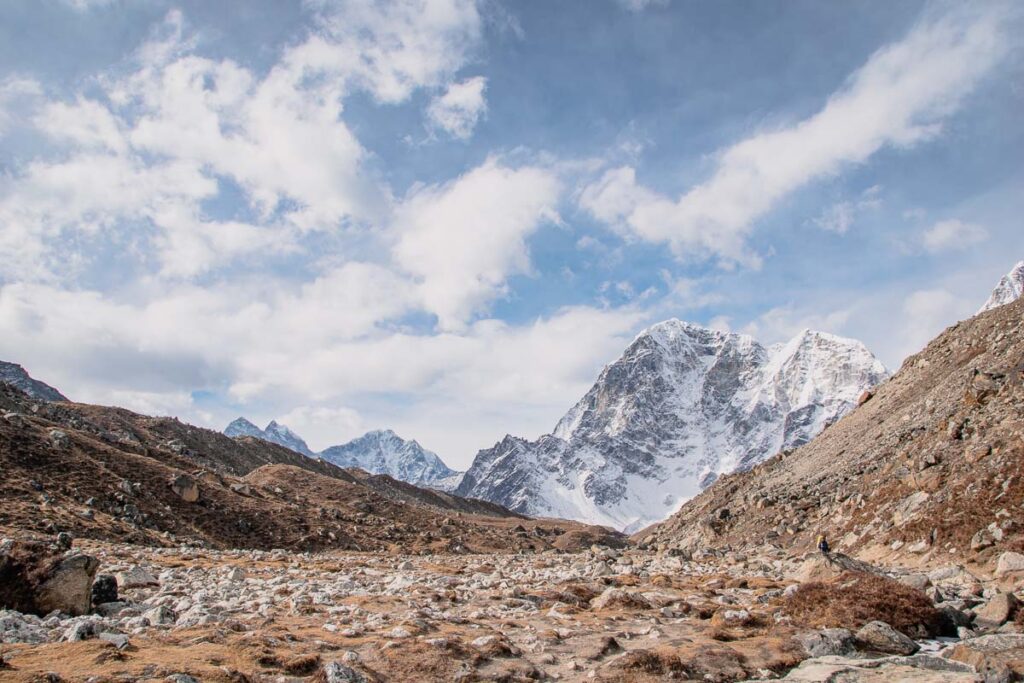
(377, 452)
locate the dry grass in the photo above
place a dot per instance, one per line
(854, 599)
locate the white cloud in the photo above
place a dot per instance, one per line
(640, 5)
(462, 240)
(898, 98)
(325, 426)
(839, 217)
(459, 108)
(952, 234)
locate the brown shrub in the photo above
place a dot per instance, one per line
(854, 599)
(651, 662)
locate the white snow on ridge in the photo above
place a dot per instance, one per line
(1009, 289)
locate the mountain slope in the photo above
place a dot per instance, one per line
(682, 405)
(930, 468)
(384, 452)
(15, 375)
(1009, 289)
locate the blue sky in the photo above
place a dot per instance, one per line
(444, 216)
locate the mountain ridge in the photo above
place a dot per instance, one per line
(682, 405)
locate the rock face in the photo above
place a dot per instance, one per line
(880, 637)
(185, 487)
(68, 588)
(384, 452)
(1009, 289)
(15, 375)
(681, 406)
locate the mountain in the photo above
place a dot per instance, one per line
(930, 469)
(274, 433)
(681, 406)
(377, 452)
(384, 452)
(1009, 289)
(15, 375)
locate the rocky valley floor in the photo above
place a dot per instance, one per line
(188, 614)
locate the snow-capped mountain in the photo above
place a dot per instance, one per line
(384, 452)
(274, 433)
(377, 452)
(15, 375)
(1009, 289)
(682, 405)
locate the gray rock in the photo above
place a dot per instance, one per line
(829, 641)
(68, 589)
(118, 640)
(879, 636)
(336, 672)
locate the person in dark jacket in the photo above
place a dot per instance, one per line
(823, 544)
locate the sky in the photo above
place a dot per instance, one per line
(444, 217)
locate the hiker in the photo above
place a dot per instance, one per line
(823, 544)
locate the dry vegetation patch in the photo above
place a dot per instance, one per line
(854, 599)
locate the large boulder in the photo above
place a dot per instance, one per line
(878, 636)
(185, 487)
(996, 612)
(36, 579)
(827, 642)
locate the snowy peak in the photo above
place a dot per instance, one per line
(378, 452)
(1009, 289)
(274, 433)
(15, 375)
(681, 405)
(242, 427)
(384, 452)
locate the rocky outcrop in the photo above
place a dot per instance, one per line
(16, 376)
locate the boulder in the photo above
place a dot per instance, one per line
(1010, 565)
(136, 577)
(878, 636)
(998, 656)
(185, 487)
(336, 672)
(996, 611)
(67, 587)
(618, 598)
(828, 641)
(104, 589)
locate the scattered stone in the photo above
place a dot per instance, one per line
(620, 599)
(1010, 565)
(336, 672)
(118, 640)
(64, 541)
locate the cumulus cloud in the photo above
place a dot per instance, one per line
(952, 234)
(457, 111)
(898, 98)
(463, 239)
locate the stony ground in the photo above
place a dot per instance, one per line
(603, 614)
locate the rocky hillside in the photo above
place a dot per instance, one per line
(384, 452)
(930, 469)
(15, 375)
(108, 473)
(683, 405)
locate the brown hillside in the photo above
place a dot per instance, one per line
(930, 469)
(106, 473)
